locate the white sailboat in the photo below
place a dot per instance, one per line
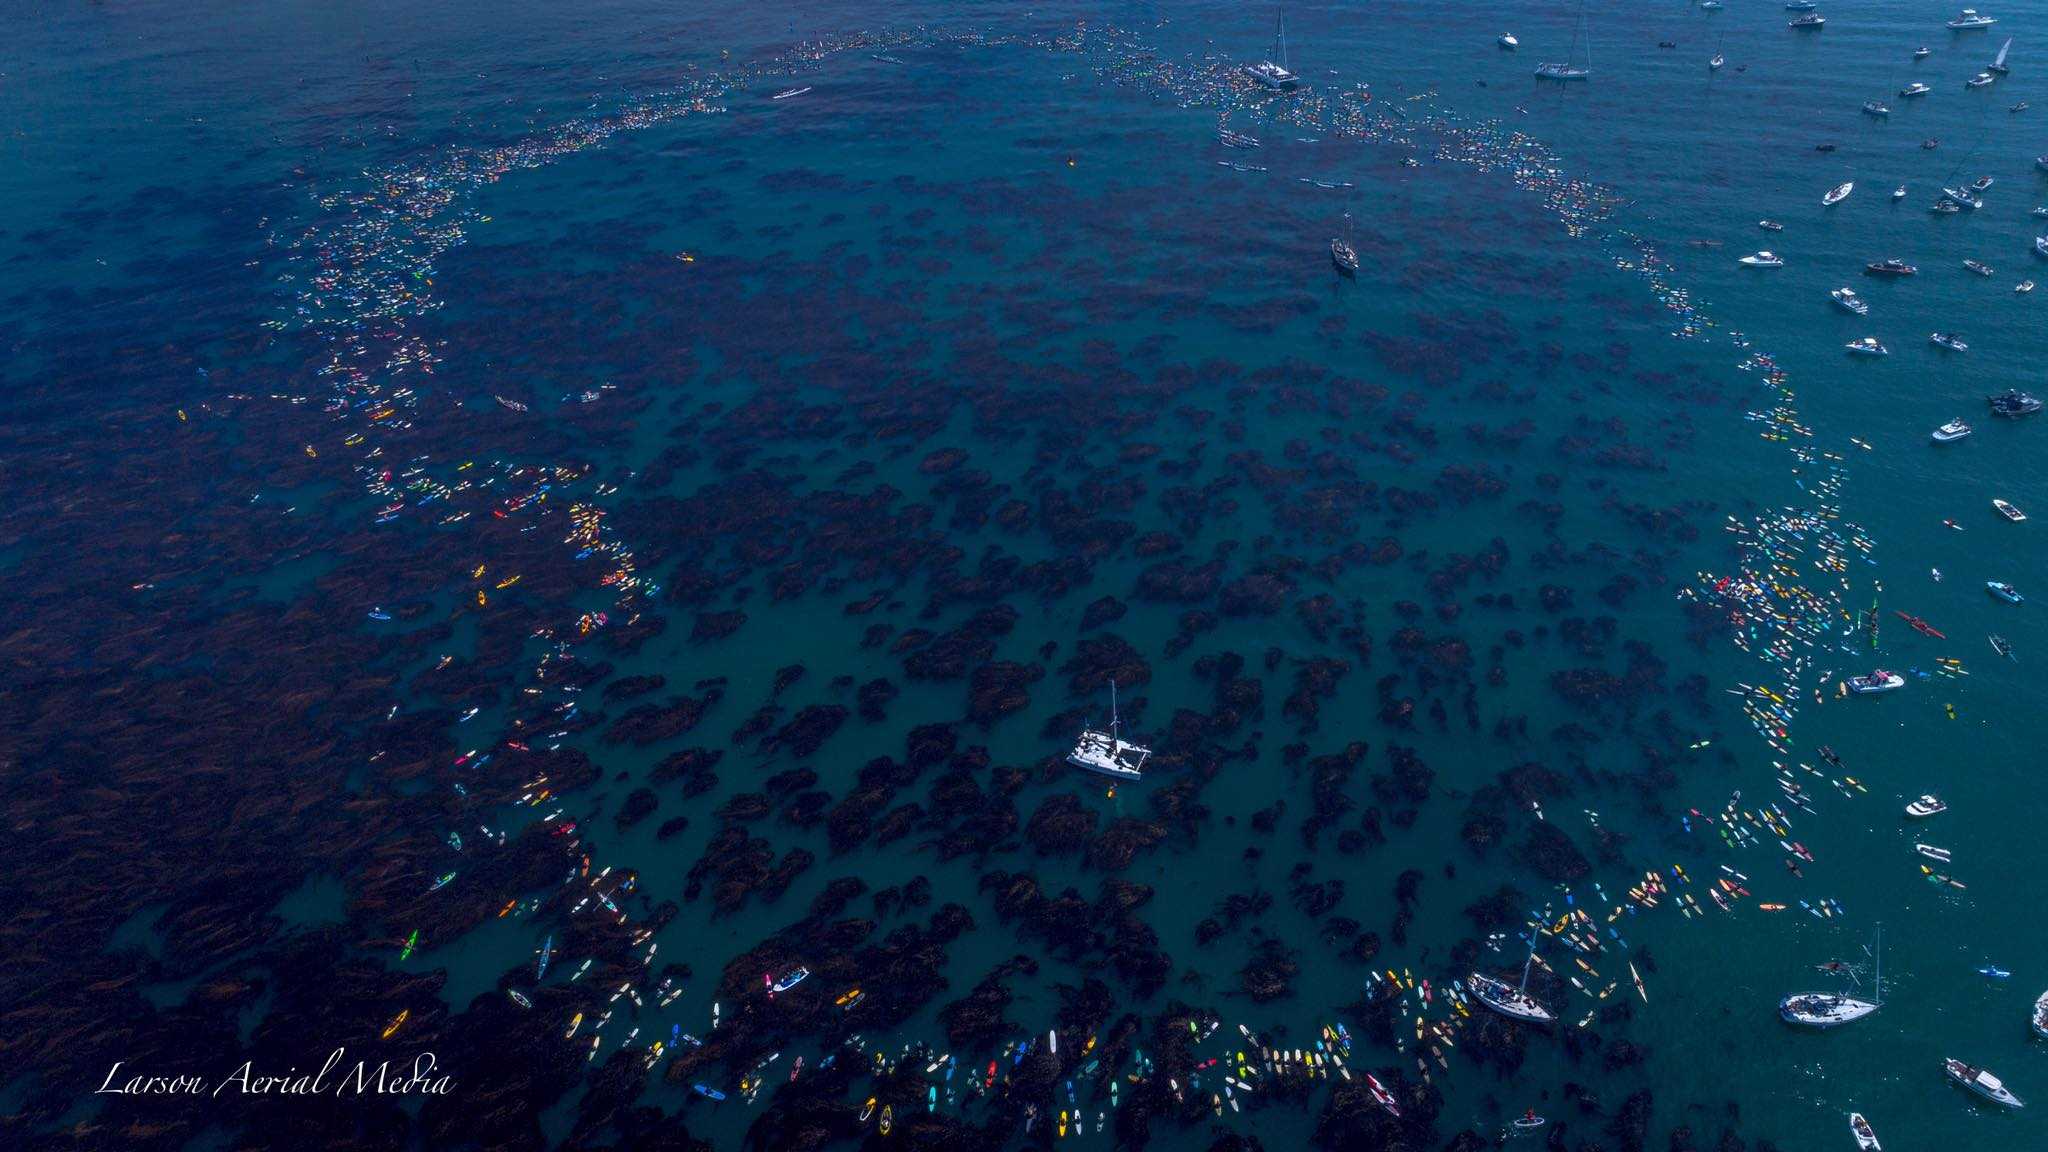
(1569, 70)
(1512, 1002)
(1830, 1010)
(1998, 65)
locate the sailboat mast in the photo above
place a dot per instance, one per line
(1523, 987)
(1880, 964)
(1280, 35)
(1113, 721)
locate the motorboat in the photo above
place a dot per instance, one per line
(2041, 1016)
(1800, 5)
(1962, 198)
(1978, 266)
(1980, 80)
(1951, 432)
(1893, 267)
(2023, 287)
(1873, 108)
(1932, 853)
(2041, 162)
(1926, 806)
(2019, 107)
(1948, 340)
(2041, 245)
(1916, 88)
(1982, 1083)
(1848, 299)
(1921, 53)
(1866, 346)
(1837, 194)
(1507, 40)
(1982, 184)
(1877, 681)
(1866, 1140)
(1971, 20)
(1710, 5)
(1770, 225)
(2004, 591)
(1930, 144)
(2013, 404)
(1899, 193)
(1108, 753)
(1762, 260)
(1812, 20)
(2009, 512)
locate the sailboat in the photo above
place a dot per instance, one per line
(1829, 1010)
(1714, 64)
(1107, 752)
(1342, 254)
(1514, 1003)
(1998, 65)
(1273, 73)
(1568, 70)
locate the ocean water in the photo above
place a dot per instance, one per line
(1037, 256)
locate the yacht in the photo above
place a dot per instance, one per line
(1948, 340)
(1267, 72)
(1812, 20)
(1762, 260)
(1916, 88)
(1837, 194)
(1926, 806)
(1848, 299)
(1893, 267)
(2041, 1016)
(1510, 1000)
(1507, 40)
(1569, 71)
(1829, 1010)
(2004, 591)
(1877, 681)
(1951, 432)
(1971, 20)
(1998, 64)
(1980, 80)
(2006, 510)
(1342, 254)
(2013, 404)
(1866, 1140)
(1961, 198)
(1978, 266)
(1866, 346)
(1982, 1083)
(1107, 752)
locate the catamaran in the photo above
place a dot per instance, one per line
(1569, 70)
(1273, 73)
(1828, 1010)
(1107, 752)
(1514, 1001)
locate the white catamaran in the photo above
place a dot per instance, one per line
(1273, 73)
(1107, 752)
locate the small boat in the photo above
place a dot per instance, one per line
(1762, 260)
(1710, 5)
(2013, 404)
(1916, 88)
(2041, 1015)
(1866, 346)
(1978, 266)
(1529, 1121)
(1930, 144)
(1932, 853)
(1874, 108)
(1891, 268)
(1847, 298)
(379, 614)
(1944, 208)
(1951, 432)
(519, 997)
(1980, 80)
(1924, 807)
(790, 93)
(1948, 340)
(788, 981)
(1800, 5)
(2019, 107)
(1995, 972)
(707, 1092)
(1982, 184)
(1714, 62)
(1877, 681)
(1507, 40)
(2023, 287)
(2008, 511)
(1899, 193)
(1971, 21)
(1866, 1140)
(2004, 591)
(1982, 1083)
(1837, 194)
(1770, 225)
(1998, 63)
(2000, 645)
(1812, 20)
(1381, 1096)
